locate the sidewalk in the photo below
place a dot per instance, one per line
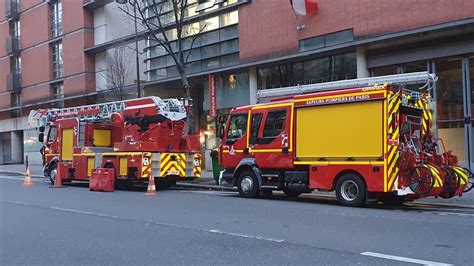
(207, 182)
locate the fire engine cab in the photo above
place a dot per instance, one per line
(365, 138)
(136, 138)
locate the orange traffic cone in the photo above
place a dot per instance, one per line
(27, 182)
(151, 191)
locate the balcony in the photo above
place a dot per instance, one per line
(13, 82)
(11, 9)
(12, 45)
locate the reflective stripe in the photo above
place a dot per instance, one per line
(170, 166)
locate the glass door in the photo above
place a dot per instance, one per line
(470, 108)
(450, 107)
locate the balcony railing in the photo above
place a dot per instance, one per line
(12, 45)
(11, 9)
(14, 82)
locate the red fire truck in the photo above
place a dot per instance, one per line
(136, 138)
(363, 140)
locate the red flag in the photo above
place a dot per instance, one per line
(212, 96)
(305, 7)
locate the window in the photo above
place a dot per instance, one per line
(15, 102)
(56, 18)
(16, 29)
(58, 93)
(15, 65)
(338, 67)
(238, 126)
(275, 124)
(326, 40)
(57, 60)
(256, 119)
(229, 18)
(52, 134)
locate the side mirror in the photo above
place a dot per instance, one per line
(41, 137)
(220, 131)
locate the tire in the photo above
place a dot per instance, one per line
(247, 185)
(351, 190)
(53, 172)
(291, 194)
(470, 181)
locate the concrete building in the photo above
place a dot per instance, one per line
(249, 46)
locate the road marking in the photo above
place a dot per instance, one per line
(17, 178)
(246, 236)
(404, 259)
(84, 212)
(449, 213)
(148, 223)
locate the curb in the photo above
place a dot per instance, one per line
(19, 174)
(203, 186)
(423, 203)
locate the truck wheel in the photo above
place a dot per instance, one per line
(53, 172)
(351, 190)
(248, 185)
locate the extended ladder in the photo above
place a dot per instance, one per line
(101, 111)
(399, 79)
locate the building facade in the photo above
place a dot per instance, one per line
(347, 39)
(42, 63)
(245, 46)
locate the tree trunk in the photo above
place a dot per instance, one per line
(190, 121)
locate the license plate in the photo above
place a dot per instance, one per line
(173, 172)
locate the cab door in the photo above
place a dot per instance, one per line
(67, 138)
(234, 144)
(273, 147)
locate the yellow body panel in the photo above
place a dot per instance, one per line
(340, 131)
(90, 166)
(67, 143)
(123, 166)
(102, 137)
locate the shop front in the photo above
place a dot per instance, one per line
(452, 100)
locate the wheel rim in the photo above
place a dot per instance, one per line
(246, 184)
(349, 190)
(421, 180)
(53, 174)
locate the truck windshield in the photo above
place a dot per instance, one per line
(238, 126)
(52, 134)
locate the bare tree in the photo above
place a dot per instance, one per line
(160, 17)
(116, 73)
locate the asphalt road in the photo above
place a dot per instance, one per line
(45, 226)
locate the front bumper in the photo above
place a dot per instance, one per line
(226, 179)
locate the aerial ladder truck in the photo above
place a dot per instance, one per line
(369, 138)
(137, 138)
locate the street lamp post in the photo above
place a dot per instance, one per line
(124, 2)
